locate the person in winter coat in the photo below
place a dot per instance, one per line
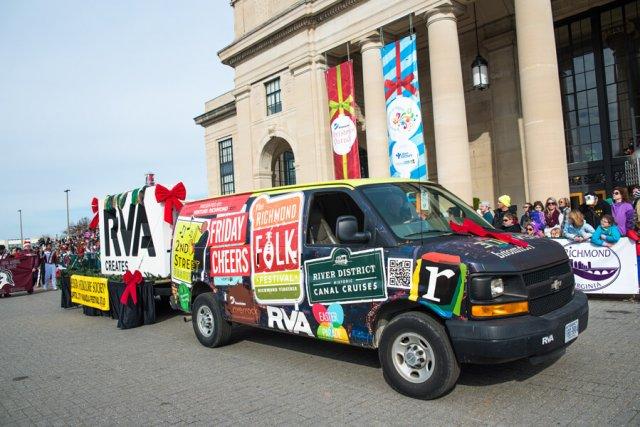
(607, 234)
(537, 214)
(510, 223)
(484, 209)
(504, 206)
(532, 229)
(526, 216)
(576, 229)
(635, 193)
(552, 215)
(564, 206)
(622, 211)
(594, 209)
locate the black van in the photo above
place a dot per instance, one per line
(402, 266)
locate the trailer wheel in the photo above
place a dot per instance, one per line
(416, 356)
(210, 327)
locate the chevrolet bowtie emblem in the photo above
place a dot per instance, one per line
(555, 286)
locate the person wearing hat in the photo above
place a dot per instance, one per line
(504, 206)
(594, 209)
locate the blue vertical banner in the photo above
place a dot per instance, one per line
(407, 152)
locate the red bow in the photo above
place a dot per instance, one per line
(94, 208)
(470, 227)
(131, 280)
(399, 82)
(397, 85)
(171, 199)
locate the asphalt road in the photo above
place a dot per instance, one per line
(59, 367)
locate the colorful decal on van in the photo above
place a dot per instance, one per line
(295, 322)
(275, 248)
(399, 272)
(240, 305)
(330, 323)
(346, 277)
(438, 283)
(184, 296)
(183, 265)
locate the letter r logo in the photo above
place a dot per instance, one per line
(434, 273)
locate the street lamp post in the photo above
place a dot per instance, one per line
(68, 224)
(21, 237)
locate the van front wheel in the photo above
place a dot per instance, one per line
(208, 324)
(416, 356)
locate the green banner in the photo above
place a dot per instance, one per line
(346, 277)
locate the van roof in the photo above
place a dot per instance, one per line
(349, 183)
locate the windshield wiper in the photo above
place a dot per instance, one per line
(419, 233)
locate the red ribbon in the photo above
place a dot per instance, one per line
(131, 281)
(171, 199)
(399, 83)
(94, 208)
(470, 227)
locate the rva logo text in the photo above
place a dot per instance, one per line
(129, 236)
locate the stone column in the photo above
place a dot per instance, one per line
(449, 114)
(541, 104)
(375, 106)
(242, 146)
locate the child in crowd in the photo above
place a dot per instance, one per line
(532, 229)
(576, 228)
(510, 223)
(607, 234)
(554, 232)
(537, 215)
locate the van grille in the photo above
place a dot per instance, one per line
(545, 274)
(550, 302)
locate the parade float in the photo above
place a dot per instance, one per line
(136, 229)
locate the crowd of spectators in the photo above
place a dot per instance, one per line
(601, 222)
(51, 256)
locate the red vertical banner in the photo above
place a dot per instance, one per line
(342, 116)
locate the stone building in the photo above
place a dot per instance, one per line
(560, 115)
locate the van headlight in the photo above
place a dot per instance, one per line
(486, 288)
(497, 287)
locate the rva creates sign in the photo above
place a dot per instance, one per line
(275, 248)
(90, 291)
(598, 269)
(134, 234)
(346, 277)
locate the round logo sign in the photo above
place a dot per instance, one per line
(343, 134)
(403, 118)
(404, 157)
(594, 267)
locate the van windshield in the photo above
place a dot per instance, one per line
(416, 210)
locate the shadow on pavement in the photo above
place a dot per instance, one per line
(326, 349)
(481, 375)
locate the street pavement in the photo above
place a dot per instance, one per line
(59, 367)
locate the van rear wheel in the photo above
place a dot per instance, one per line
(208, 323)
(416, 356)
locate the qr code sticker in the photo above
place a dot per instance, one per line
(399, 271)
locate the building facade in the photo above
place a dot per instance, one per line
(560, 116)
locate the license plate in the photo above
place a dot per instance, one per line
(570, 331)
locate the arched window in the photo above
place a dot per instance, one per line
(284, 170)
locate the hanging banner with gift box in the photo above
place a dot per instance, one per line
(407, 152)
(344, 134)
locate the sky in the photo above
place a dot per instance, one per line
(94, 94)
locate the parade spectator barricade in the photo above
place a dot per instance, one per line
(16, 274)
(136, 230)
(604, 270)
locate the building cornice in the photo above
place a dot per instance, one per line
(216, 115)
(310, 19)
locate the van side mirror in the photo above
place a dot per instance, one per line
(347, 230)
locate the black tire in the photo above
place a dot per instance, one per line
(210, 327)
(434, 370)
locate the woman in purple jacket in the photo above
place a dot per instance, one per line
(622, 211)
